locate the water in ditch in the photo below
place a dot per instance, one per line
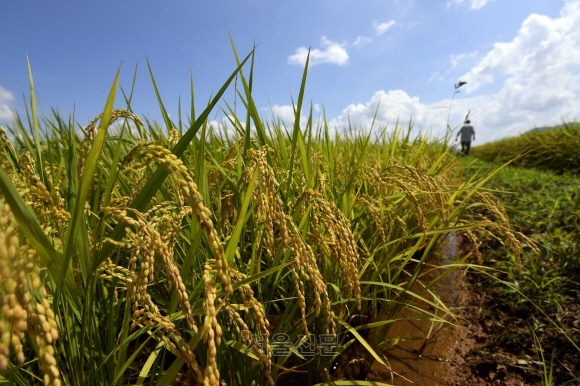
(424, 349)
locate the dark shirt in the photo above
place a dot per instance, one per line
(466, 132)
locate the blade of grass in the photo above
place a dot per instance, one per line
(36, 126)
(297, 111)
(85, 186)
(361, 340)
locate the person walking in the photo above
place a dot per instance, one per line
(467, 132)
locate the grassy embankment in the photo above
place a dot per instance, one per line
(556, 149)
(139, 255)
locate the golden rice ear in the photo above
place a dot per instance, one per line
(182, 177)
(24, 311)
(212, 334)
(90, 131)
(4, 144)
(184, 181)
(331, 230)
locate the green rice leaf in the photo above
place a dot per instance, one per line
(361, 340)
(86, 184)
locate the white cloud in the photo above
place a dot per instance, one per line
(388, 106)
(384, 27)
(544, 55)
(285, 113)
(455, 59)
(6, 99)
(535, 81)
(331, 52)
(475, 4)
(361, 41)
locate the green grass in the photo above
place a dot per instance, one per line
(545, 207)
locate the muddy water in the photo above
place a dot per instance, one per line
(422, 356)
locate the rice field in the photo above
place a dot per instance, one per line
(145, 253)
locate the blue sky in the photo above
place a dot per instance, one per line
(521, 59)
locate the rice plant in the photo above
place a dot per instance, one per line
(135, 252)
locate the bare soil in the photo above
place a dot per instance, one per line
(495, 344)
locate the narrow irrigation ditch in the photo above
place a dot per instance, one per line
(422, 352)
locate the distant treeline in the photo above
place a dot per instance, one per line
(556, 148)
